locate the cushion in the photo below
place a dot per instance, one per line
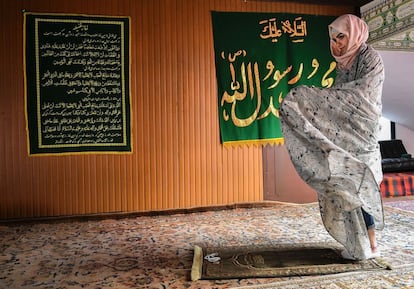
(397, 165)
(395, 157)
(392, 148)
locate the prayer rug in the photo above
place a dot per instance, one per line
(282, 261)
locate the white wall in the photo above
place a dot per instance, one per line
(385, 132)
(407, 137)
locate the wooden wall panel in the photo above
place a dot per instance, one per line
(177, 159)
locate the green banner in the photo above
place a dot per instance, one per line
(259, 57)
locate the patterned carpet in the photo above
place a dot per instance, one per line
(156, 252)
(403, 203)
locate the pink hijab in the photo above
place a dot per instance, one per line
(356, 30)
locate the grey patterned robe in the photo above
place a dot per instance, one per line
(331, 135)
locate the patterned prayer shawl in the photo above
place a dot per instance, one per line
(331, 135)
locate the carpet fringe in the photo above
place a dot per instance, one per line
(197, 267)
(333, 278)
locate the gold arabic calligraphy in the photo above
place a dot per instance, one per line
(251, 83)
(84, 83)
(296, 30)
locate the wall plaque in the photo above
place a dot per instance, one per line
(77, 83)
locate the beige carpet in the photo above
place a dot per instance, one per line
(156, 252)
